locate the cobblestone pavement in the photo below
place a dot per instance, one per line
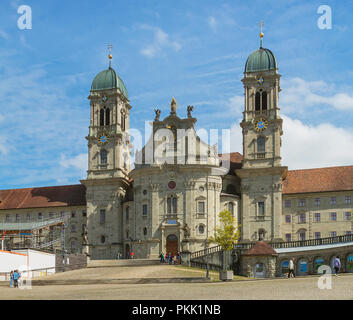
(298, 288)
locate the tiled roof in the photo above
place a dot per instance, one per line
(261, 248)
(62, 196)
(235, 159)
(319, 180)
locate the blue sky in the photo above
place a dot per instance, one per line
(192, 50)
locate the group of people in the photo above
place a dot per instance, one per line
(169, 258)
(336, 265)
(14, 278)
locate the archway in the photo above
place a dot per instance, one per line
(172, 244)
(127, 251)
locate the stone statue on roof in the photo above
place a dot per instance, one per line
(173, 106)
(158, 114)
(190, 109)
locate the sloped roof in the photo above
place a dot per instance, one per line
(61, 196)
(319, 180)
(260, 248)
(235, 159)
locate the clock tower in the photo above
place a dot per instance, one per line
(108, 164)
(262, 173)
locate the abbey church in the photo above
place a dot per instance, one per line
(169, 199)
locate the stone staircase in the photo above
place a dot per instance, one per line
(122, 263)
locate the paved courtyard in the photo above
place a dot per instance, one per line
(298, 288)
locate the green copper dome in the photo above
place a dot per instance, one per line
(108, 79)
(261, 60)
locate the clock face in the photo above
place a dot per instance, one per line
(103, 139)
(260, 80)
(260, 124)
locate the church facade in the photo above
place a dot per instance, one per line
(170, 199)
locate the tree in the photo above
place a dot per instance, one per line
(226, 235)
(228, 232)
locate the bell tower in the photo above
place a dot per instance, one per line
(262, 173)
(108, 163)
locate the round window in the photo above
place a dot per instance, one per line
(202, 189)
(171, 185)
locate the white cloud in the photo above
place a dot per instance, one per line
(212, 22)
(306, 146)
(298, 95)
(161, 41)
(78, 162)
(236, 104)
(3, 147)
(4, 35)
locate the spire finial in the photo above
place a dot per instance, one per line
(261, 34)
(110, 47)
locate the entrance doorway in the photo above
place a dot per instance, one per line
(127, 251)
(172, 245)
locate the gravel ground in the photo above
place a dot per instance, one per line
(278, 289)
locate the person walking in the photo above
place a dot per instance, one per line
(337, 265)
(132, 255)
(161, 257)
(11, 279)
(179, 258)
(166, 258)
(291, 268)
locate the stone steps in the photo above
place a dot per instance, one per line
(122, 263)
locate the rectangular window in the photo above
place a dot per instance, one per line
(348, 233)
(18, 219)
(333, 234)
(288, 218)
(287, 203)
(102, 217)
(8, 219)
(73, 214)
(317, 217)
(348, 216)
(317, 235)
(333, 216)
(40, 216)
(169, 205)
(348, 200)
(333, 200)
(302, 236)
(302, 218)
(317, 202)
(73, 228)
(144, 210)
(301, 203)
(288, 237)
(261, 208)
(201, 207)
(28, 217)
(51, 215)
(84, 213)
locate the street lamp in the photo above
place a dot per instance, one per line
(207, 243)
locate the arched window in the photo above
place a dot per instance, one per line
(261, 234)
(102, 239)
(107, 116)
(172, 205)
(261, 144)
(257, 101)
(73, 246)
(101, 117)
(264, 100)
(123, 118)
(231, 208)
(127, 213)
(104, 157)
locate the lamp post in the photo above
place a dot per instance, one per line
(207, 243)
